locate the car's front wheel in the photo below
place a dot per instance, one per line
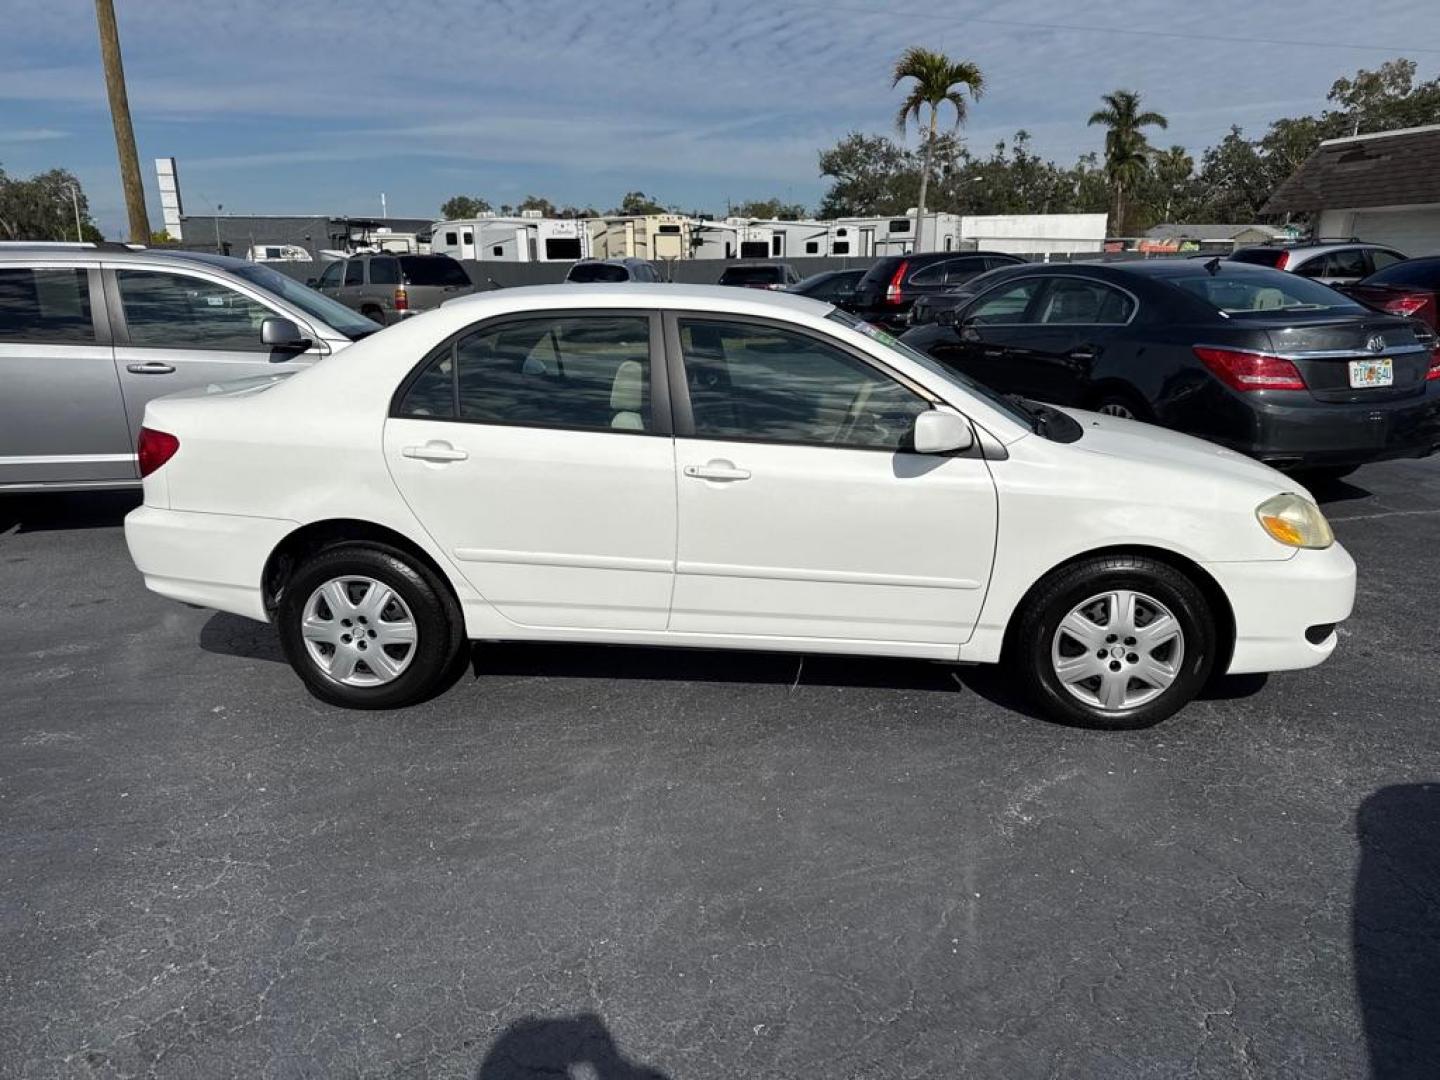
(1114, 642)
(366, 628)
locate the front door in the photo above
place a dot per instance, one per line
(536, 452)
(802, 515)
(990, 333)
(178, 329)
(62, 419)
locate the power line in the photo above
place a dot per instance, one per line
(951, 19)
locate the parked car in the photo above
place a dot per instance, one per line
(1334, 263)
(1267, 363)
(892, 283)
(940, 307)
(591, 271)
(386, 287)
(833, 286)
(691, 466)
(1409, 288)
(88, 335)
(766, 275)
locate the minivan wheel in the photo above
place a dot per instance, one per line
(366, 629)
(1114, 642)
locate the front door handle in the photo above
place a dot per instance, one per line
(435, 451)
(717, 470)
(151, 367)
(1084, 354)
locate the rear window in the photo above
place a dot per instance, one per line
(881, 271)
(587, 273)
(1419, 273)
(751, 275)
(1260, 293)
(432, 270)
(1259, 256)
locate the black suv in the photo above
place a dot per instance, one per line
(892, 283)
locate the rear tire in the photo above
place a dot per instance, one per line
(1113, 642)
(374, 314)
(369, 628)
(1123, 404)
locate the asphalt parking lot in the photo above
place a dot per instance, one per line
(629, 863)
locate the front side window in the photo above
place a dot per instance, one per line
(330, 277)
(761, 383)
(1005, 304)
(45, 307)
(1073, 302)
(175, 311)
(355, 272)
(584, 373)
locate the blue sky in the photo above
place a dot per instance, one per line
(297, 105)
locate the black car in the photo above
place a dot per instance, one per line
(941, 306)
(1268, 363)
(776, 275)
(833, 286)
(892, 283)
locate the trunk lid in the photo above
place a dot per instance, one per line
(1322, 348)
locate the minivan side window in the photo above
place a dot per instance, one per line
(176, 311)
(45, 306)
(581, 373)
(355, 272)
(756, 382)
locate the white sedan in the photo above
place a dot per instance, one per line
(720, 468)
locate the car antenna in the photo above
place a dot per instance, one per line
(1213, 266)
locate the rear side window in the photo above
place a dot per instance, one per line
(355, 272)
(384, 272)
(583, 373)
(432, 270)
(1380, 258)
(45, 307)
(1072, 302)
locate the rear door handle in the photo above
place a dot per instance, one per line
(151, 367)
(717, 470)
(435, 451)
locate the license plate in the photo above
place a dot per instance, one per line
(1367, 373)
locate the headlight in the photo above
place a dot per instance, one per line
(1295, 522)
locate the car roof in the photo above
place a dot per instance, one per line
(1316, 247)
(632, 294)
(116, 253)
(1154, 268)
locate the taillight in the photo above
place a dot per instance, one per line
(893, 293)
(1433, 371)
(1408, 304)
(402, 298)
(1243, 370)
(154, 449)
(1283, 261)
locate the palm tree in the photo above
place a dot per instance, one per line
(1127, 152)
(937, 79)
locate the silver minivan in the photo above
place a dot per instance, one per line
(90, 333)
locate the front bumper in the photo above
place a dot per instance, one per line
(1275, 603)
(213, 560)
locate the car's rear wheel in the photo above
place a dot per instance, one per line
(1121, 403)
(1114, 642)
(366, 628)
(374, 314)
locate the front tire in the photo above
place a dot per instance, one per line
(366, 628)
(1114, 642)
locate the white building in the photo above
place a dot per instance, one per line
(1034, 234)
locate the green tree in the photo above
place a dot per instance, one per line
(870, 174)
(1170, 194)
(44, 207)
(770, 210)
(460, 207)
(1235, 180)
(1127, 152)
(637, 203)
(935, 79)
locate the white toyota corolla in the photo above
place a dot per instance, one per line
(673, 465)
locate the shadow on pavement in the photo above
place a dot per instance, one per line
(66, 510)
(532, 1048)
(1397, 929)
(1336, 491)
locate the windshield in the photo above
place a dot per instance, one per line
(995, 400)
(432, 270)
(585, 273)
(330, 312)
(1260, 293)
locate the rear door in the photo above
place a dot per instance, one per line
(175, 329)
(62, 417)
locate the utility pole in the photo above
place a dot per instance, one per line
(120, 116)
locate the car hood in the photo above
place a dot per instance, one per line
(1131, 440)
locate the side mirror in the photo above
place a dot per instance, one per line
(939, 432)
(283, 334)
(312, 281)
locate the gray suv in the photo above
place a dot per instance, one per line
(386, 287)
(89, 334)
(1339, 263)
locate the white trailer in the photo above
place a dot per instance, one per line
(641, 236)
(526, 238)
